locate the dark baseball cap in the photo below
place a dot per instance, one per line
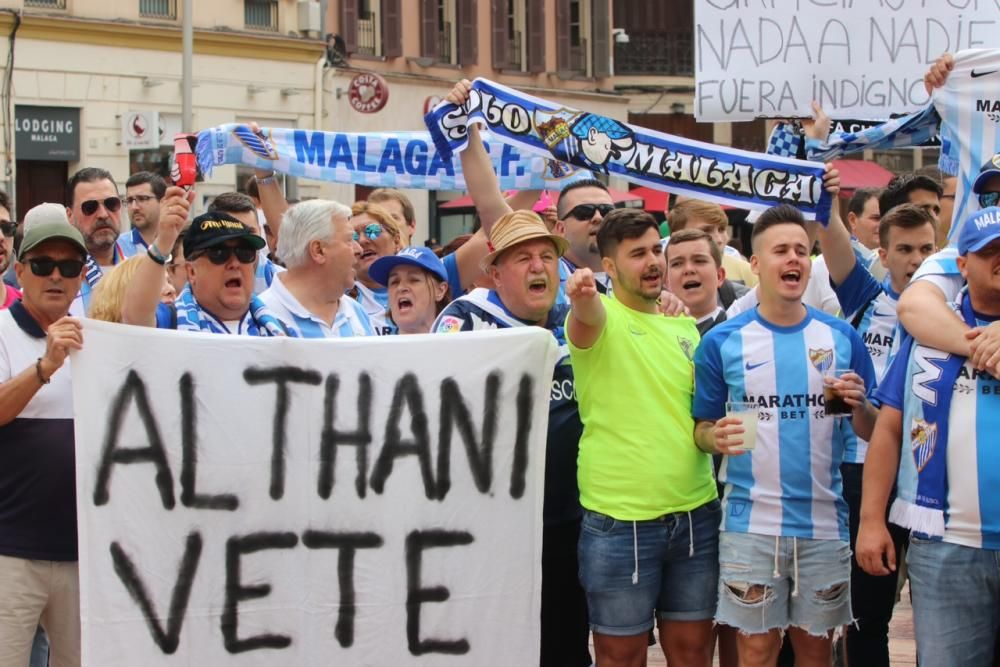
(990, 169)
(215, 228)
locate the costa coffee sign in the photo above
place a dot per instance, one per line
(368, 93)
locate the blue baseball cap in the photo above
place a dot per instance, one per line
(418, 256)
(981, 229)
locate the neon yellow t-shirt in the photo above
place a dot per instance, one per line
(634, 386)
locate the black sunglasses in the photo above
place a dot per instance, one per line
(586, 211)
(8, 228)
(220, 254)
(44, 266)
(112, 204)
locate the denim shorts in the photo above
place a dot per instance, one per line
(632, 570)
(768, 583)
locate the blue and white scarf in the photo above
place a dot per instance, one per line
(921, 501)
(903, 132)
(380, 159)
(259, 321)
(715, 173)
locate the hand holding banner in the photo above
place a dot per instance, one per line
(378, 159)
(674, 164)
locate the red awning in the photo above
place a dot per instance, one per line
(856, 174)
(617, 196)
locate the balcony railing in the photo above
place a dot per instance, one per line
(366, 34)
(260, 14)
(668, 53)
(514, 60)
(50, 4)
(578, 58)
(444, 43)
(158, 9)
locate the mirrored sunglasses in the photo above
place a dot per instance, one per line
(372, 230)
(90, 206)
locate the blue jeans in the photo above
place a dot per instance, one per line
(956, 603)
(668, 566)
(39, 650)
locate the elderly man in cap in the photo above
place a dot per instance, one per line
(524, 270)
(221, 256)
(38, 542)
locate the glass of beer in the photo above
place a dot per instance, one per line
(747, 414)
(834, 403)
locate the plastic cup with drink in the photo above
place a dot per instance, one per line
(834, 403)
(747, 414)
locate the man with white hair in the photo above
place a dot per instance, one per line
(318, 248)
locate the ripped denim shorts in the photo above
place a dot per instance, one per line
(768, 583)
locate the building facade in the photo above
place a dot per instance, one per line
(98, 83)
(554, 49)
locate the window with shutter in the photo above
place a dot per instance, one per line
(535, 27)
(429, 28)
(467, 37)
(440, 27)
(369, 28)
(601, 22)
(573, 37)
(349, 25)
(511, 33)
(392, 29)
(499, 29)
(660, 37)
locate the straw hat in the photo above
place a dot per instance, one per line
(518, 227)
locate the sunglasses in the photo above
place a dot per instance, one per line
(90, 206)
(44, 266)
(586, 211)
(220, 254)
(8, 228)
(988, 199)
(373, 230)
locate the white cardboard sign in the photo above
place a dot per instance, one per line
(859, 58)
(249, 501)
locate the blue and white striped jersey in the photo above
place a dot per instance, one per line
(131, 243)
(265, 273)
(941, 269)
(969, 134)
(350, 320)
(790, 484)
(972, 517)
(870, 307)
(375, 305)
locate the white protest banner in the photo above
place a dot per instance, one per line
(858, 58)
(248, 501)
